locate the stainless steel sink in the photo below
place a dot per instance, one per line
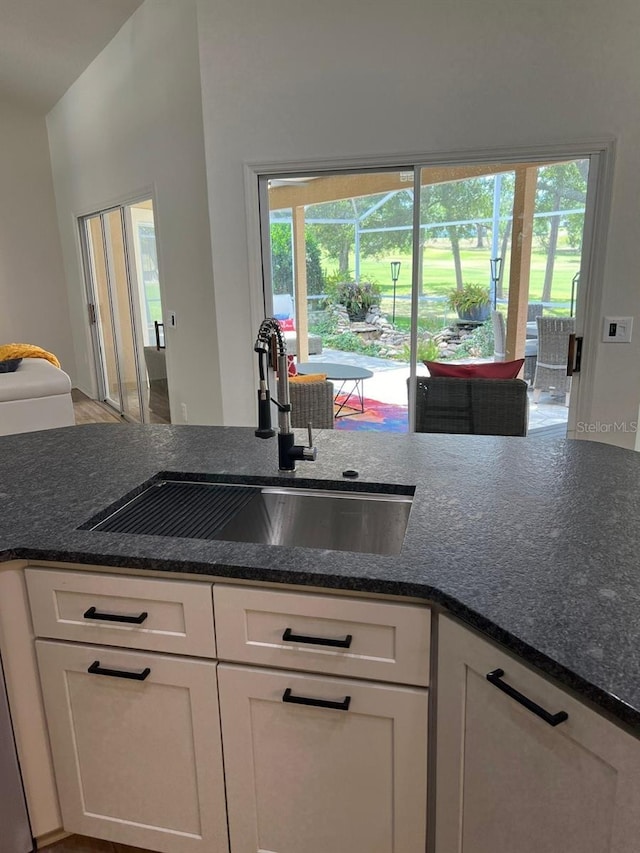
(339, 521)
(333, 519)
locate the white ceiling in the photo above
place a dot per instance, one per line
(46, 44)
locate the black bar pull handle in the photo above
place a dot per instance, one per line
(574, 355)
(495, 678)
(290, 637)
(92, 613)
(288, 696)
(96, 669)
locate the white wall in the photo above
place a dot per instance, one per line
(132, 122)
(288, 81)
(33, 297)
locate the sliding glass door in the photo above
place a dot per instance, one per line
(384, 271)
(125, 310)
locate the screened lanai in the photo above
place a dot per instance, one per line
(366, 193)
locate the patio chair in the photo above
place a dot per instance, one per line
(551, 367)
(499, 346)
(471, 406)
(534, 310)
(312, 402)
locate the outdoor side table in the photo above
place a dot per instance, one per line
(342, 373)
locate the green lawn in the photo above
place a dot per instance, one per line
(439, 273)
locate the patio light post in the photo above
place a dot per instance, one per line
(496, 269)
(575, 281)
(395, 273)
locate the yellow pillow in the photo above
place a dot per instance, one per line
(301, 379)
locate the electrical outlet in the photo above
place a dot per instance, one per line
(617, 329)
(183, 409)
(173, 322)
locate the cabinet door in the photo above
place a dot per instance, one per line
(136, 761)
(319, 779)
(509, 781)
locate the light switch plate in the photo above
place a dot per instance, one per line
(617, 329)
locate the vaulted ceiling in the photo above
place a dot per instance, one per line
(46, 44)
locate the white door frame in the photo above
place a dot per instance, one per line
(600, 152)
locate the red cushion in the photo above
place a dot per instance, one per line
(287, 325)
(488, 370)
(292, 370)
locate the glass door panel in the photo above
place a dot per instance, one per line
(123, 316)
(334, 241)
(104, 322)
(147, 304)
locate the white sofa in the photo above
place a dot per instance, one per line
(36, 396)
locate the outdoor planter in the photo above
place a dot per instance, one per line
(475, 314)
(472, 303)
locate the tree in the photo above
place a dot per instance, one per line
(392, 211)
(282, 260)
(470, 198)
(336, 237)
(562, 185)
(397, 213)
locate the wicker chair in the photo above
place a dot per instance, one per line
(311, 402)
(499, 346)
(534, 310)
(553, 346)
(471, 406)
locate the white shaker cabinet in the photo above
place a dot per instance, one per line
(514, 776)
(324, 712)
(136, 746)
(135, 734)
(321, 764)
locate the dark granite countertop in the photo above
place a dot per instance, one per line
(533, 542)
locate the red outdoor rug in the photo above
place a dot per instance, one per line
(377, 417)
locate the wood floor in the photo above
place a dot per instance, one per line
(88, 411)
(81, 844)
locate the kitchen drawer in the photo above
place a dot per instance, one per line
(76, 606)
(388, 642)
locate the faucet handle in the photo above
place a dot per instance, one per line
(309, 453)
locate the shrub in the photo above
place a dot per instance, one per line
(358, 297)
(479, 344)
(428, 350)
